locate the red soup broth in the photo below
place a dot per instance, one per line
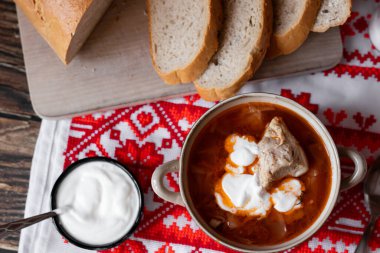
(206, 166)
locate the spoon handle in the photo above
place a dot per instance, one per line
(17, 225)
(363, 245)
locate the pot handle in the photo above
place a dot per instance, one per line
(158, 183)
(360, 168)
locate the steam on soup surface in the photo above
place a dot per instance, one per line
(207, 163)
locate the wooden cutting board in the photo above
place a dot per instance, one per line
(114, 69)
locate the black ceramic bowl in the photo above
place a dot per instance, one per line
(56, 219)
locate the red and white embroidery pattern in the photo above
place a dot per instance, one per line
(143, 137)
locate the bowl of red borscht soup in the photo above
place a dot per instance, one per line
(259, 173)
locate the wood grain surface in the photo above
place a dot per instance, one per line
(18, 125)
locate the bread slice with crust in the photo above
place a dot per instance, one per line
(332, 13)
(65, 25)
(292, 20)
(183, 37)
(245, 36)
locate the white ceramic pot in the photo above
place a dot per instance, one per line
(183, 197)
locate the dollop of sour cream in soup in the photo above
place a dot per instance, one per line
(100, 201)
(239, 191)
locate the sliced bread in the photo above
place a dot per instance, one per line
(65, 25)
(183, 37)
(332, 13)
(245, 36)
(292, 20)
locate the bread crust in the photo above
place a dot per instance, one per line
(283, 44)
(58, 22)
(322, 29)
(255, 60)
(199, 63)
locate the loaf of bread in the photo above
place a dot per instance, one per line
(245, 37)
(183, 37)
(292, 20)
(64, 24)
(332, 13)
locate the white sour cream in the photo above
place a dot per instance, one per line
(245, 152)
(287, 195)
(240, 192)
(246, 194)
(102, 203)
(234, 170)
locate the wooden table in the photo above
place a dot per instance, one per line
(18, 124)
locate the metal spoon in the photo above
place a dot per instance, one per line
(372, 199)
(7, 228)
(374, 29)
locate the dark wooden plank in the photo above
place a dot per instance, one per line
(14, 96)
(17, 141)
(18, 125)
(5, 251)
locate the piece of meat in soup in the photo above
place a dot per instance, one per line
(280, 154)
